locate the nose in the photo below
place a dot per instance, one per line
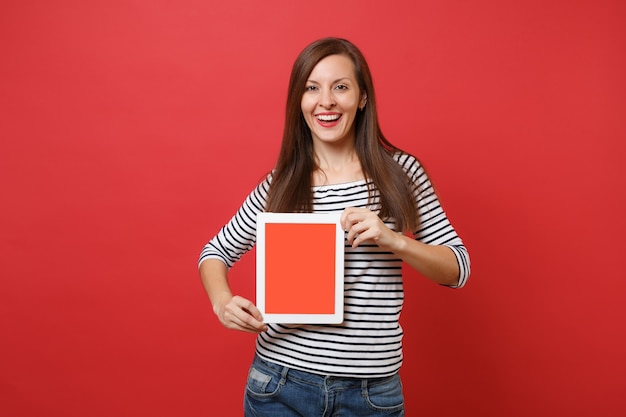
(327, 98)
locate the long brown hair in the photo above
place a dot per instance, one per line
(291, 186)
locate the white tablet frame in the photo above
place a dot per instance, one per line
(300, 218)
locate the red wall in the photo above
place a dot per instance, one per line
(132, 130)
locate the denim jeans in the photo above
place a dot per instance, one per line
(277, 391)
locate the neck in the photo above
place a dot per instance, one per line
(335, 159)
(336, 164)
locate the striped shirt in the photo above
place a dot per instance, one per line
(369, 341)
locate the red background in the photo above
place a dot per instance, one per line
(132, 130)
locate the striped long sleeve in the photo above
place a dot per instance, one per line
(369, 341)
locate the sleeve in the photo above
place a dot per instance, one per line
(238, 236)
(434, 227)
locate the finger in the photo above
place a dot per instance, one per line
(343, 220)
(247, 306)
(352, 218)
(352, 215)
(359, 238)
(356, 234)
(252, 325)
(368, 229)
(245, 315)
(252, 317)
(244, 322)
(352, 233)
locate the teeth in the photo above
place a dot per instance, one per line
(328, 117)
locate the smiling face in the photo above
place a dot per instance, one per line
(331, 100)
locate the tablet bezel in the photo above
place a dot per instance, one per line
(338, 240)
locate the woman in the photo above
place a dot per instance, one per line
(334, 158)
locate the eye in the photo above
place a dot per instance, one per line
(310, 88)
(341, 87)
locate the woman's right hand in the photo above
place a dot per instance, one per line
(238, 313)
(234, 312)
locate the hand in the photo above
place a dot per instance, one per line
(239, 313)
(363, 224)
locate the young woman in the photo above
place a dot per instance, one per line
(334, 158)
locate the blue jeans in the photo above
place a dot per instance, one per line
(277, 391)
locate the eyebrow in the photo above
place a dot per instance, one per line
(334, 82)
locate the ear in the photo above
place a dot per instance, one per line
(363, 102)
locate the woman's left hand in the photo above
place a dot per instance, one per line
(363, 224)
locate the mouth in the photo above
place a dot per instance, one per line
(328, 119)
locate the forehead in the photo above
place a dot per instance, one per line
(333, 67)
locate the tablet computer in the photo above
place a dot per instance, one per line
(299, 268)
